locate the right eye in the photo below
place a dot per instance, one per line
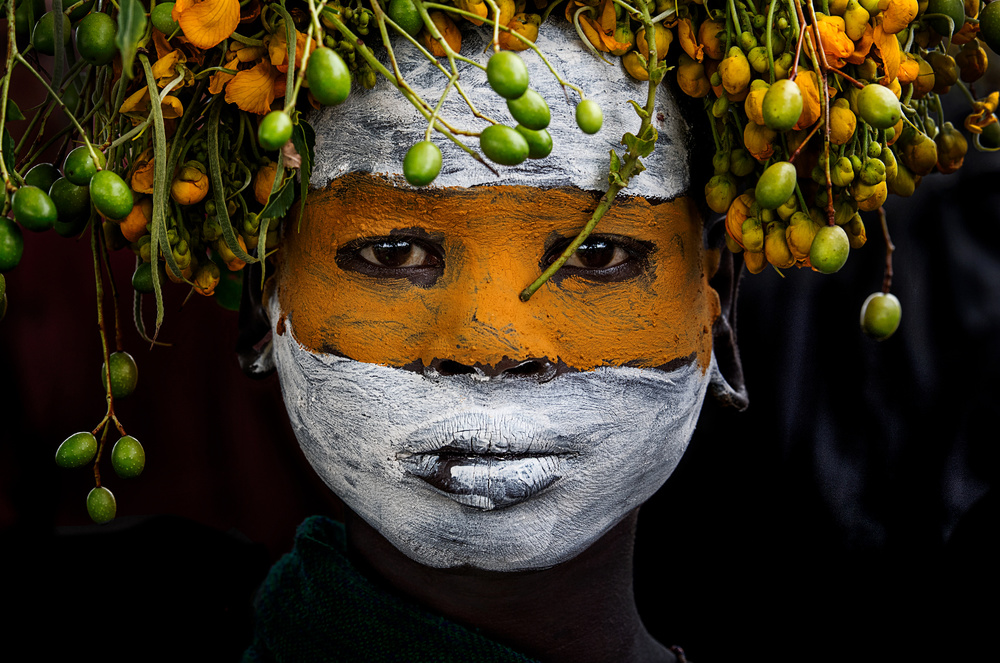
(397, 254)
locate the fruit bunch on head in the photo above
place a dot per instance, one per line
(189, 130)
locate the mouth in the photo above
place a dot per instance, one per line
(486, 460)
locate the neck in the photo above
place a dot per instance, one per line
(580, 610)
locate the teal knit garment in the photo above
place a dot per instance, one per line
(315, 606)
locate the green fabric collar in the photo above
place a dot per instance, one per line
(315, 606)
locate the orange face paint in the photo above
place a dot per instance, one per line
(493, 242)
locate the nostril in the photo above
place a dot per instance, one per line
(541, 370)
(529, 367)
(450, 367)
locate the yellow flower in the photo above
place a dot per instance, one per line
(207, 22)
(888, 48)
(277, 48)
(686, 37)
(809, 87)
(166, 68)
(982, 114)
(525, 25)
(137, 106)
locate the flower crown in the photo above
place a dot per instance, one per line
(185, 140)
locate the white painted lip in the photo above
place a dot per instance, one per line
(486, 481)
(494, 431)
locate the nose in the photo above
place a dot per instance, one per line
(535, 369)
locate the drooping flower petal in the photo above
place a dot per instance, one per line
(888, 48)
(207, 22)
(217, 81)
(253, 90)
(165, 68)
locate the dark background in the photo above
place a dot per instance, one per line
(846, 515)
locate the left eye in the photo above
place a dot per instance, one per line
(397, 253)
(598, 254)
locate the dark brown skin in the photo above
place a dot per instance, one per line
(581, 610)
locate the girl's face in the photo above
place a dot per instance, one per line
(469, 427)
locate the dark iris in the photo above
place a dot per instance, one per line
(392, 252)
(596, 253)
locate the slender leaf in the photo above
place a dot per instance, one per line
(8, 150)
(279, 204)
(219, 188)
(131, 27)
(161, 188)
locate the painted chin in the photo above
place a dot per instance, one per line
(501, 475)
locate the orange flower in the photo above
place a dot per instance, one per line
(759, 141)
(982, 114)
(809, 87)
(909, 69)
(137, 106)
(207, 22)
(685, 34)
(142, 176)
(897, 15)
(888, 47)
(253, 90)
(277, 48)
(166, 68)
(863, 46)
(738, 212)
(836, 44)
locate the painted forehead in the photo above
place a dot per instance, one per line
(372, 130)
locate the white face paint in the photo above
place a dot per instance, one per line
(500, 474)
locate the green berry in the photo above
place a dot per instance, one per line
(328, 76)
(503, 145)
(880, 315)
(589, 116)
(128, 457)
(95, 38)
(124, 374)
(42, 176)
(776, 185)
(782, 105)
(539, 142)
(162, 18)
(404, 13)
(33, 208)
(43, 36)
(422, 163)
(275, 130)
(829, 249)
(76, 450)
(101, 505)
(507, 74)
(878, 106)
(530, 110)
(110, 195)
(79, 166)
(11, 244)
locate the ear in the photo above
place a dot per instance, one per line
(253, 346)
(727, 384)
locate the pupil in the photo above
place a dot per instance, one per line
(596, 253)
(392, 253)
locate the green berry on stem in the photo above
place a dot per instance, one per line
(128, 457)
(539, 142)
(328, 76)
(275, 130)
(95, 38)
(110, 195)
(507, 74)
(76, 450)
(878, 106)
(43, 35)
(776, 185)
(42, 176)
(530, 110)
(101, 505)
(33, 209)
(79, 166)
(124, 374)
(404, 14)
(829, 250)
(162, 18)
(589, 116)
(504, 145)
(11, 244)
(782, 105)
(422, 163)
(880, 315)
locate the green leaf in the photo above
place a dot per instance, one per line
(614, 172)
(638, 146)
(13, 112)
(304, 140)
(131, 27)
(280, 202)
(161, 189)
(639, 110)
